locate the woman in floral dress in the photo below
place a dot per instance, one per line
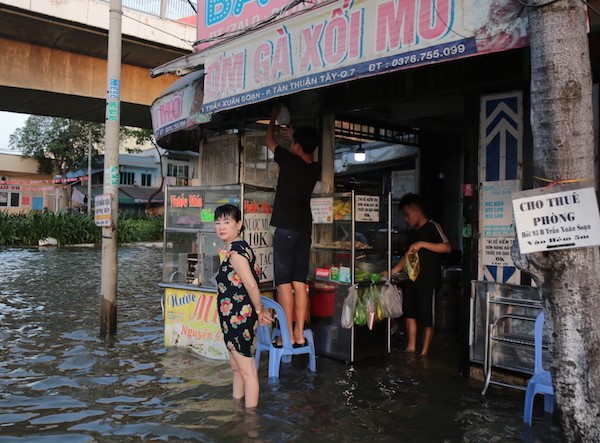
(238, 303)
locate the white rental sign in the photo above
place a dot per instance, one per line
(559, 220)
(103, 210)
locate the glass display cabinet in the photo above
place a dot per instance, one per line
(191, 259)
(351, 241)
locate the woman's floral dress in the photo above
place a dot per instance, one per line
(237, 315)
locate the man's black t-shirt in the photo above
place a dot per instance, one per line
(297, 179)
(430, 262)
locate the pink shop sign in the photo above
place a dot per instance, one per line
(345, 40)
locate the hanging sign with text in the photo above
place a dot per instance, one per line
(496, 251)
(343, 40)
(559, 220)
(367, 208)
(259, 237)
(322, 209)
(495, 210)
(103, 210)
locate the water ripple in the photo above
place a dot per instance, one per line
(60, 383)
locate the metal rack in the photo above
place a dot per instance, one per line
(502, 321)
(331, 339)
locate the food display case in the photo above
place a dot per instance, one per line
(346, 250)
(191, 259)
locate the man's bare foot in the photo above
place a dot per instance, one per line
(409, 350)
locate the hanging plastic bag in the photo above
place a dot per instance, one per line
(360, 312)
(392, 300)
(412, 265)
(373, 305)
(379, 310)
(370, 308)
(347, 320)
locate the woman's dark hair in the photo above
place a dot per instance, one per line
(229, 211)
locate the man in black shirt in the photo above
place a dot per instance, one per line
(429, 240)
(292, 218)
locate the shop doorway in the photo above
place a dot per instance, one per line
(401, 161)
(397, 162)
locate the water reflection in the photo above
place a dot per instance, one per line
(60, 383)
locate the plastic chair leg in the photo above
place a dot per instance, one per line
(549, 403)
(257, 358)
(274, 362)
(312, 360)
(528, 408)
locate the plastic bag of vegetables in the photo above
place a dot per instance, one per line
(373, 305)
(360, 312)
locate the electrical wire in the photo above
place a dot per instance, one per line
(295, 3)
(158, 29)
(192, 5)
(540, 5)
(591, 7)
(491, 37)
(255, 26)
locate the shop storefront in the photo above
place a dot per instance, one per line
(435, 96)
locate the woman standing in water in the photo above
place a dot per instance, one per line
(238, 303)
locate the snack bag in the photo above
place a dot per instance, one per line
(412, 265)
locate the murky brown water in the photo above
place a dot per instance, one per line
(60, 383)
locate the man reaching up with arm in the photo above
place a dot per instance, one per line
(292, 218)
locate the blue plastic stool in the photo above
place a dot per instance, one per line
(267, 335)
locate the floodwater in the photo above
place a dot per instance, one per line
(60, 383)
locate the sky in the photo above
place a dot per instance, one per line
(9, 121)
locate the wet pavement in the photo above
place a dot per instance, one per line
(60, 383)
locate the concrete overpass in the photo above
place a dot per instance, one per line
(53, 58)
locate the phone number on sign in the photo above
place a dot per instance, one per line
(432, 54)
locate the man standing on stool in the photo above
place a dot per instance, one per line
(292, 219)
(429, 240)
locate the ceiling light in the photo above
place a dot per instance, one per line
(360, 154)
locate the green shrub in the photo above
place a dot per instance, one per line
(27, 228)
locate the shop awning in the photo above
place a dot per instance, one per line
(177, 113)
(137, 194)
(336, 42)
(129, 194)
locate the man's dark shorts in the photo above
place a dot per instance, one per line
(418, 303)
(291, 250)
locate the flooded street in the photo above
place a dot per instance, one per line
(60, 383)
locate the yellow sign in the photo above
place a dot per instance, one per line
(192, 321)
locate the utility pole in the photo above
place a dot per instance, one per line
(89, 171)
(108, 284)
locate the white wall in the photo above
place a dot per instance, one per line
(96, 14)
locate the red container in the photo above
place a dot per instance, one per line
(322, 299)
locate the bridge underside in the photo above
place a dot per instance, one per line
(69, 106)
(54, 68)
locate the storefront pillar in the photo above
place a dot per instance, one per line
(328, 151)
